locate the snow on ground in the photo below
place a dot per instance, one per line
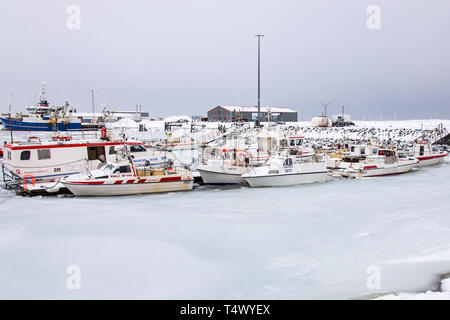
(123, 123)
(443, 294)
(177, 118)
(303, 242)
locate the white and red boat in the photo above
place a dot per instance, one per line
(47, 161)
(385, 162)
(428, 154)
(124, 179)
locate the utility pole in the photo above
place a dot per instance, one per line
(325, 106)
(93, 104)
(258, 121)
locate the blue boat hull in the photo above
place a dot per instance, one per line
(38, 126)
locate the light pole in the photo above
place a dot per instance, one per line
(258, 121)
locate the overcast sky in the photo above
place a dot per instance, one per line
(187, 56)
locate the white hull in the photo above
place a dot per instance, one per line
(391, 170)
(128, 189)
(211, 177)
(278, 180)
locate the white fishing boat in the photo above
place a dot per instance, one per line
(385, 162)
(222, 172)
(287, 171)
(428, 154)
(116, 179)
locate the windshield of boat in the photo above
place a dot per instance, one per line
(137, 148)
(108, 167)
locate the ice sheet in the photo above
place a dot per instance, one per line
(310, 241)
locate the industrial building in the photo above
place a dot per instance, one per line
(247, 113)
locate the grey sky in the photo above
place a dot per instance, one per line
(184, 57)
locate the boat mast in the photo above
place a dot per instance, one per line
(258, 120)
(10, 125)
(93, 111)
(43, 92)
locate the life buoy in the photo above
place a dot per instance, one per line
(104, 133)
(24, 182)
(241, 157)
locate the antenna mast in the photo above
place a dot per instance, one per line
(10, 125)
(325, 106)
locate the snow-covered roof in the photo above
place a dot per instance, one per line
(177, 118)
(255, 109)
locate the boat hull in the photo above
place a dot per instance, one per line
(127, 189)
(378, 172)
(39, 126)
(279, 180)
(431, 160)
(215, 177)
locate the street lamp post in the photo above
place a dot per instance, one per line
(258, 120)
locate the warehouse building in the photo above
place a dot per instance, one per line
(234, 113)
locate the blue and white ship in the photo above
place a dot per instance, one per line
(43, 117)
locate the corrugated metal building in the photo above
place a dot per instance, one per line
(231, 113)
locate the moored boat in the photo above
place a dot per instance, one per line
(385, 162)
(43, 117)
(222, 173)
(428, 154)
(287, 171)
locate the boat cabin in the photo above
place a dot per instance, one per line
(362, 150)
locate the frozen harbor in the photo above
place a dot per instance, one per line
(303, 242)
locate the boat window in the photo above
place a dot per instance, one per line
(292, 142)
(402, 156)
(123, 169)
(43, 154)
(299, 142)
(288, 162)
(352, 149)
(94, 153)
(422, 150)
(112, 150)
(9, 155)
(137, 148)
(108, 167)
(25, 155)
(363, 151)
(374, 151)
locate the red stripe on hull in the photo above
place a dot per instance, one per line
(118, 182)
(87, 182)
(432, 157)
(170, 179)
